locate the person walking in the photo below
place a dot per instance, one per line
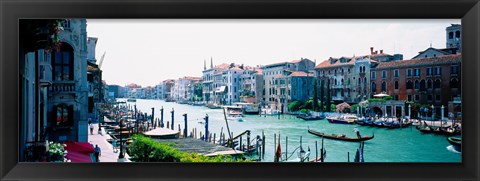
(91, 128)
(98, 153)
(355, 129)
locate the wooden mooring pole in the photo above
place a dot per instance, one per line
(286, 147)
(263, 145)
(173, 117)
(186, 125)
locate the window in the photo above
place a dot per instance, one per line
(409, 72)
(429, 84)
(409, 97)
(348, 70)
(429, 98)
(373, 75)
(365, 81)
(409, 84)
(429, 71)
(437, 97)
(422, 85)
(457, 35)
(454, 83)
(395, 97)
(437, 84)
(374, 87)
(417, 84)
(384, 74)
(438, 71)
(359, 81)
(63, 115)
(450, 35)
(384, 86)
(417, 72)
(396, 85)
(417, 97)
(395, 73)
(63, 63)
(454, 70)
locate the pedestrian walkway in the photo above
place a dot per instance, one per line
(107, 154)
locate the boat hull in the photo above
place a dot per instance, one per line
(336, 121)
(341, 138)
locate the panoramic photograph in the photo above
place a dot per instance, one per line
(184, 90)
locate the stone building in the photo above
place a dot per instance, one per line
(429, 81)
(251, 85)
(208, 80)
(280, 70)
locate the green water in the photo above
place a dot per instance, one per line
(389, 145)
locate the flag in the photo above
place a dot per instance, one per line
(278, 152)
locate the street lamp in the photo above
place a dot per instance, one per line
(121, 156)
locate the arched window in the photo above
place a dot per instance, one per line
(454, 83)
(335, 81)
(62, 63)
(365, 81)
(437, 84)
(450, 35)
(374, 87)
(457, 34)
(417, 84)
(422, 85)
(409, 84)
(384, 86)
(429, 84)
(359, 81)
(342, 82)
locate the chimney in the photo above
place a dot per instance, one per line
(381, 51)
(376, 51)
(371, 50)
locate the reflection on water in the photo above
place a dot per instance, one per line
(395, 145)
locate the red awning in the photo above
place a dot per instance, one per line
(79, 151)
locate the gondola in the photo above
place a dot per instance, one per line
(456, 142)
(341, 137)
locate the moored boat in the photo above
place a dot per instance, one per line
(344, 119)
(456, 142)
(234, 113)
(308, 117)
(131, 100)
(341, 137)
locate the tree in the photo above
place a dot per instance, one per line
(322, 97)
(315, 98)
(329, 98)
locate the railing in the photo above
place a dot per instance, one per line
(63, 87)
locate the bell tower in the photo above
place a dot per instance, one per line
(454, 37)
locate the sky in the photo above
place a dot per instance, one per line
(147, 52)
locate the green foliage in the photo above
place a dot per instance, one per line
(354, 107)
(56, 151)
(332, 108)
(145, 149)
(304, 111)
(295, 105)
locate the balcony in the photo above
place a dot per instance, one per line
(68, 87)
(45, 74)
(338, 86)
(338, 98)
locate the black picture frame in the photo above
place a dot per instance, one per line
(11, 11)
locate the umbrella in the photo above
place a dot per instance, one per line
(381, 95)
(342, 106)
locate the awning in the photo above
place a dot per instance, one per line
(79, 151)
(221, 89)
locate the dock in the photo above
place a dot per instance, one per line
(201, 147)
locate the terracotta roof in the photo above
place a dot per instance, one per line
(326, 64)
(224, 66)
(300, 74)
(236, 68)
(92, 68)
(423, 61)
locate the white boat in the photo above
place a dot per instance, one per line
(234, 113)
(270, 111)
(248, 108)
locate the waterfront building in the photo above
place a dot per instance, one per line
(94, 79)
(279, 70)
(251, 85)
(182, 90)
(167, 89)
(208, 84)
(158, 93)
(118, 91)
(429, 81)
(349, 77)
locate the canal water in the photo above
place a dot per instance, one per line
(389, 145)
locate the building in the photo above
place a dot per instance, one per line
(208, 84)
(158, 91)
(167, 89)
(428, 81)
(251, 85)
(118, 91)
(279, 71)
(183, 89)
